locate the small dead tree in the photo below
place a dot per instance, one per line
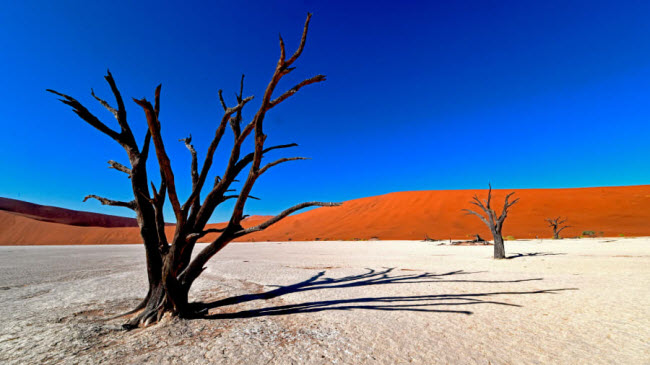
(171, 268)
(557, 225)
(478, 238)
(492, 221)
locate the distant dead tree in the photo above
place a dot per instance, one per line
(492, 221)
(171, 268)
(478, 238)
(557, 225)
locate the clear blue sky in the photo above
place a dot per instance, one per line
(419, 96)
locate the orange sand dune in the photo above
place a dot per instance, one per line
(410, 215)
(404, 215)
(66, 216)
(16, 229)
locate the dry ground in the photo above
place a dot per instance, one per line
(561, 302)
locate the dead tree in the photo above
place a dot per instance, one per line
(170, 267)
(478, 239)
(492, 221)
(557, 225)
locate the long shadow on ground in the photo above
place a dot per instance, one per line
(417, 303)
(533, 254)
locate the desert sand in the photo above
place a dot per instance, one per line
(16, 229)
(577, 301)
(608, 211)
(412, 214)
(51, 214)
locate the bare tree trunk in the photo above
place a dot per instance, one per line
(499, 249)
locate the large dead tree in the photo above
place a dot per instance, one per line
(557, 224)
(170, 267)
(494, 222)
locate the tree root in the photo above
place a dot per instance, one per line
(152, 314)
(134, 310)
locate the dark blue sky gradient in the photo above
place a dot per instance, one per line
(419, 96)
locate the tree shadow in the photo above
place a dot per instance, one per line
(533, 254)
(415, 303)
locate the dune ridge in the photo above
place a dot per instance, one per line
(71, 217)
(608, 211)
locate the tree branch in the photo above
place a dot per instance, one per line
(194, 166)
(303, 40)
(282, 215)
(105, 104)
(469, 211)
(144, 154)
(158, 202)
(223, 102)
(163, 160)
(260, 137)
(235, 122)
(506, 205)
(227, 197)
(282, 50)
(560, 221)
(277, 162)
(211, 149)
(479, 204)
(489, 198)
(121, 111)
(235, 166)
(115, 203)
(119, 167)
(249, 157)
(293, 90)
(156, 107)
(215, 196)
(87, 116)
(241, 89)
(198, 235)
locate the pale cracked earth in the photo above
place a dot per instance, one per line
(555, 302)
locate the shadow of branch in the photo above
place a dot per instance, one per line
(419, 303)
(533, 254)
